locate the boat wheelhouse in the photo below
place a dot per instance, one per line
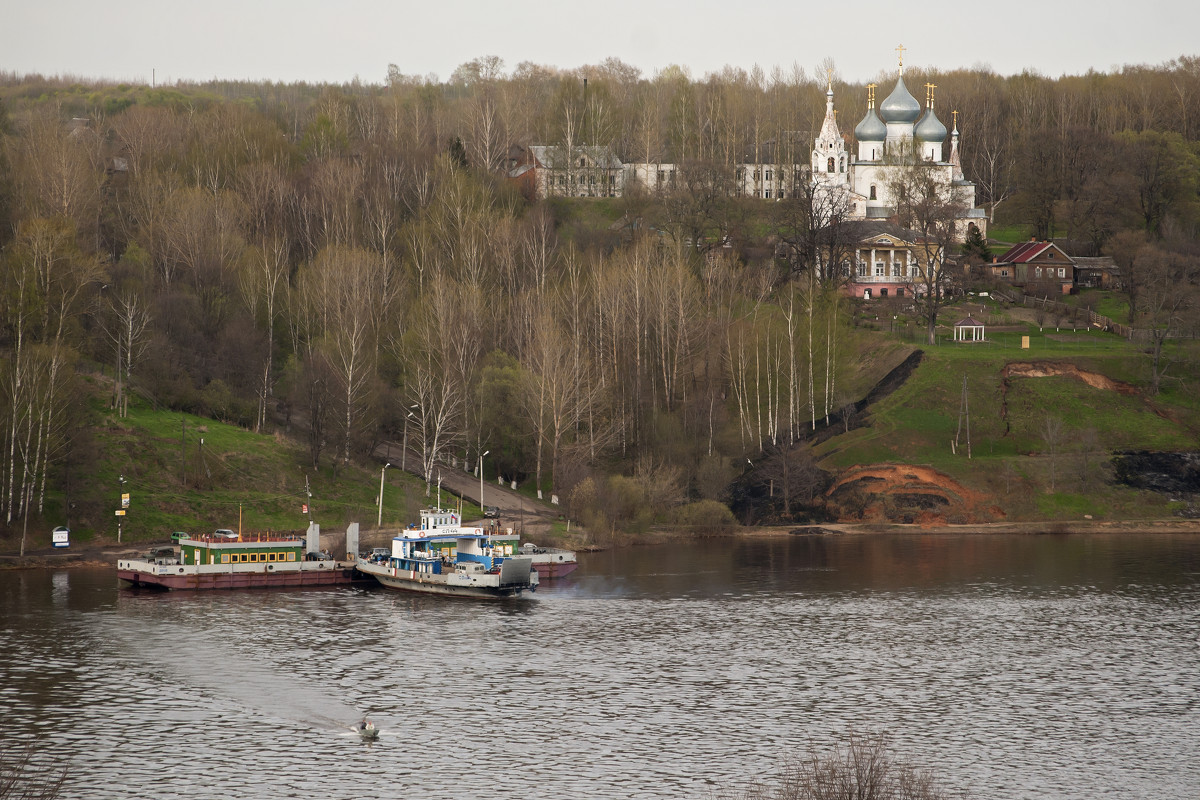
(550, 562)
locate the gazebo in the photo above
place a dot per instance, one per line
(969, 330)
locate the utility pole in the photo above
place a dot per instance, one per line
(308, 492)
(379, 520)
(481, 508)
(964, 412)
(183, 451)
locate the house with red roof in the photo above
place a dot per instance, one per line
(1037, 267)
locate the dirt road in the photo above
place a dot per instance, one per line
(512, 505)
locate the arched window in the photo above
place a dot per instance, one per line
(830, 167)
(873, 197)
(841, 165)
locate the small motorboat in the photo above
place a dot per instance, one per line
(367, 730)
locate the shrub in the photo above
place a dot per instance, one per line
(703, 516)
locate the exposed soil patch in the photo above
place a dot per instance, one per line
(911, 493)
(1048, 369)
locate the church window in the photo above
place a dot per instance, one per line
(841, 165)
(873, 197)
(830, 167)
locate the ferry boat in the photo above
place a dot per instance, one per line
(440, 556)
(247, 561)
(550, 562)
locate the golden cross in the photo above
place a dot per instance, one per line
(955, 112)
(929, 87)
(871, 94)
(829, 76)
(901, 50)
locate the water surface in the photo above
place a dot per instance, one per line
(1014, 666)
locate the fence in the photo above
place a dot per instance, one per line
(1094, 319)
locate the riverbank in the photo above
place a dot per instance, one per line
(106, 555)
(1085, 526)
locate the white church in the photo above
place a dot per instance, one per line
(900, 131)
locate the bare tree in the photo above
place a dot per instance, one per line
(22, 778)
(862, 769)
(1168, 301)
(1052, 434)
(930, 209)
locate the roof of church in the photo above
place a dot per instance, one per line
(930, 128)
(900, 105)
(871, 129)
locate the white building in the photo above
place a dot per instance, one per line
(899, 134)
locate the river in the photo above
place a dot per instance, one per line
(1013, 666)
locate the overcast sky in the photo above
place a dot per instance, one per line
(338, 40)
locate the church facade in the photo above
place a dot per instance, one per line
(900, 134)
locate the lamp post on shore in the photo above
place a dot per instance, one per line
(379, 520)
(404, 451)
(482, 510)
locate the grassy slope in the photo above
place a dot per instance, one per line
(1010, 459)
(262, 477)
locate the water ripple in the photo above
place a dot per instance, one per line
(652, 673)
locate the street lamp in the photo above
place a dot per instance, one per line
(121, 499)
(382, 472)
(481, 508)
(404, 451)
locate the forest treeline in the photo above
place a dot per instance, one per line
(350, 261)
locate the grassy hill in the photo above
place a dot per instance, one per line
(187, 473)
(1041, 436)
(1043, 423)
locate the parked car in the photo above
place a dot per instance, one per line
(224, 533)
(162, 555)
(177, 535)
(491, 512)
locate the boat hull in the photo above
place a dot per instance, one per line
(476, 587)
(269, 576)
(551, 562)
(554, 569)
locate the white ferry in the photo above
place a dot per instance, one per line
(441, 557)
